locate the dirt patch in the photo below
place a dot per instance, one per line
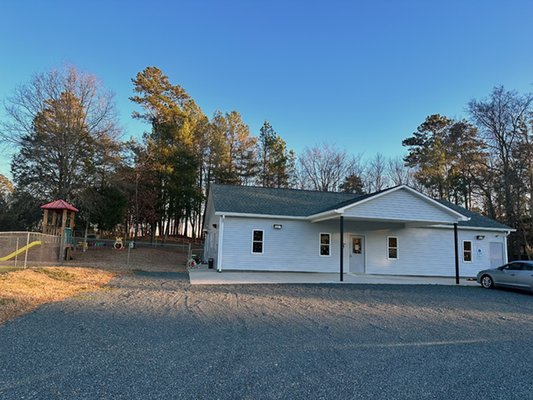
(22, 291)
(145, 259)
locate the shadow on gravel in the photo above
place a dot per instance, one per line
(462, 297)
(180, 276)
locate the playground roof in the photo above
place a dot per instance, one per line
(59, 205)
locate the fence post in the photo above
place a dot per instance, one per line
(189, 251)
(26, 253)
(129, 251)
(61, 249)
(16, 254)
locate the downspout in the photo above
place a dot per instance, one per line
(341, 248)
(220, 242)
(505, 257)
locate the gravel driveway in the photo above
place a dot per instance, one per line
(154, 336)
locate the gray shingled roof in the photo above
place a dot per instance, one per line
(303, 203)
(476, 220)
(273, 201)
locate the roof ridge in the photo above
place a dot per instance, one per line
(297, 190)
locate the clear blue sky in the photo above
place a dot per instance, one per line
(360, 74)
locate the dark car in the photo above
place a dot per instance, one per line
(516, 274)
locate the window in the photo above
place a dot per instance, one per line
(257, 241)
(357, 245)
(467, 251)
(325, 244)
(527, 267)
(514, 266)
(392, 248)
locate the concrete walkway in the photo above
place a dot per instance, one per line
(204, 276)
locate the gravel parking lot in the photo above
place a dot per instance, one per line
(154, 336)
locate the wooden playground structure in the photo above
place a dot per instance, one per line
(55, 243)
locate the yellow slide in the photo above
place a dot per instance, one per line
(21, 250)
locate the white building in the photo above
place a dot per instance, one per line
(397, 231)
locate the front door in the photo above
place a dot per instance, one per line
(357, 254)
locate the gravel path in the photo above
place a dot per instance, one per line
(154, 336)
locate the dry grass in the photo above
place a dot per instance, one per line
(22, 291)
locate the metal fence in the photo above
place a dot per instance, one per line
(192, 249)
(26, 249)
(23, 249)
(141, 254)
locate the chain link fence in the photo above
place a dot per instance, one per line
(159, 255)
(24, 249)
(27, 249)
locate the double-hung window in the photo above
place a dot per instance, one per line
(392, 248)
(467, 251)
(325, 244)
(257, 241)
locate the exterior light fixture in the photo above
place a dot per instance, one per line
(480, 237)
(277, 226)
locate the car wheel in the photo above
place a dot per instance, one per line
(487, 282)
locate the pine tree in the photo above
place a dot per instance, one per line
(276, 162)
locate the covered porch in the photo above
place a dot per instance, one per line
(394, 248)
(388, 231)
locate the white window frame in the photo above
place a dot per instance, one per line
(397, 248)
(256, 241)
(471, 251)
(320, 244)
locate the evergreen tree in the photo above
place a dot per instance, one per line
(352, 184)
(172, 146)
(276, 162)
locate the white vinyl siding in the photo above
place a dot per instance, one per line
(400, 205)
(424, 251)
(292, 248)
(429, 252)
(324, 244)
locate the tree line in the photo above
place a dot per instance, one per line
(67, 142)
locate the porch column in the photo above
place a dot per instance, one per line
(220, 242)
(342, 248)
(456, 240)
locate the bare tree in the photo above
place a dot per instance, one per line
(377, 178)
(325, 167)
(63, 127)
(503, 120)
(398, 172)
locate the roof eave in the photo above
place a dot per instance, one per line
(252, 215)
(324, 215)
(476, 228)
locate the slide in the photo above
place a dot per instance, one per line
(21, 250)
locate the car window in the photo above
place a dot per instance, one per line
(527, 267)
(514, 266)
